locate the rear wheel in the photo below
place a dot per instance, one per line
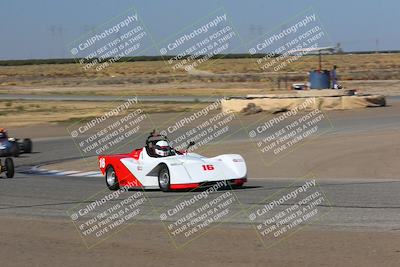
(238, 184)
(9, 168)
(14, 151)
(111, 179)
(27, 144)
(164, 180)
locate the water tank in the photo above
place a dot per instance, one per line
(320, 79)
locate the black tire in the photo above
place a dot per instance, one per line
(111, 179)
(164, 179)
(27, 144)
(237, 186)
(9, 168)
(14, 151)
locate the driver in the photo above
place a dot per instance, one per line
(162, 149)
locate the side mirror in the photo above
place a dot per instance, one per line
(191, 143)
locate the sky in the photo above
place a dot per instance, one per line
(46, 28)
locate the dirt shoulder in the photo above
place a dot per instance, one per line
(52, 243)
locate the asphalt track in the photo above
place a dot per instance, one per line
(354, 204)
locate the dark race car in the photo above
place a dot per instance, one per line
(11, 147)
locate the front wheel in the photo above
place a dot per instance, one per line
(111, 179)
(164, 180)
(9, 168)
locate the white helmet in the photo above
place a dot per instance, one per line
(162, 148)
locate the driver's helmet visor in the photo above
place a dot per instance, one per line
(163, 148)
(3, 135)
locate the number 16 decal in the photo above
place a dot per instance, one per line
(208, 167)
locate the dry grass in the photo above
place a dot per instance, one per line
(346, 62)
(20, 113)
(154, 72)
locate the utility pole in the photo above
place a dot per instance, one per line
(377, 45)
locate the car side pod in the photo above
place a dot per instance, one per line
(8, 167)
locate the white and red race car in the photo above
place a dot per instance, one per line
(143, 168)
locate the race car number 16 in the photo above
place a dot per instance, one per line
(102, 163)
(208, 167)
